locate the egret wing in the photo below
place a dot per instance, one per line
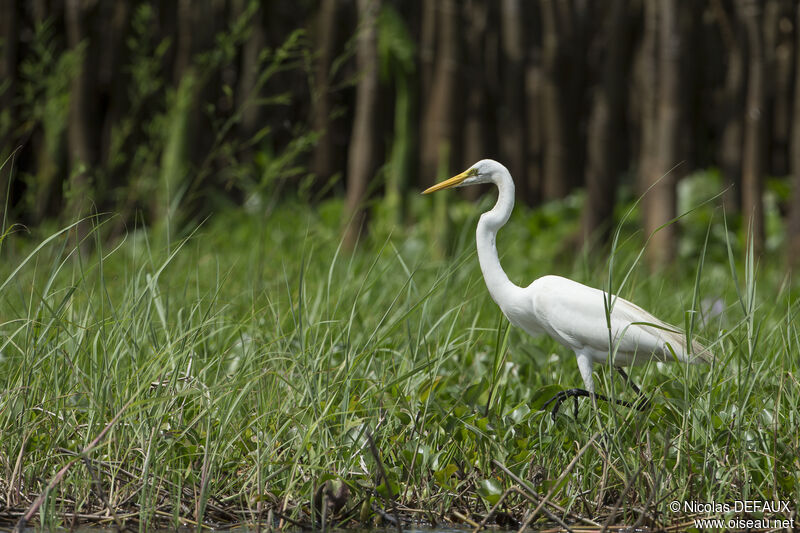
(575, 315)
(670, 340)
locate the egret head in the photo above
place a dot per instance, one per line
(481, 172)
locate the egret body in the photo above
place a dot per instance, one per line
(569, 312)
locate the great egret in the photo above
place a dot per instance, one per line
(569, 312)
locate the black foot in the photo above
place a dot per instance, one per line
(563, 395)
(559, 398)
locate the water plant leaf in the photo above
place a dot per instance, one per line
(491, 489)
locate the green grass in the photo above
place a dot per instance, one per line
(250, 362)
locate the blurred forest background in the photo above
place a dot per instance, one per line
(171, 110)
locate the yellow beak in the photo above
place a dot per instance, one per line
(452, 182)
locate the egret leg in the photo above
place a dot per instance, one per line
(575, 393)
(644, 402)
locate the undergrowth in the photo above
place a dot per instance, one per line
(259, 373)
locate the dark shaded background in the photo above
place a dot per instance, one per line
(178, 108)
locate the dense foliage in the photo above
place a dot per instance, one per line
(250, 362)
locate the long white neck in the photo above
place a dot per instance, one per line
(500, 287)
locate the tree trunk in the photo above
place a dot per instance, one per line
(322, 164)
(47, 143)
(660, 202)
(8, 78)
(647, 95)
(112, 24)
(180, 135)
(560, 96)
(362, 159)
(730, 145)
(253, 116)
(753, 150)
(79, 128)
(607, 126)
(427, 45)
(555, 151)
(475, 121)
(534, 81)
(512, 108)
(778, 47)
(398, 168)
(438, 123)
(793, 225)
(535, 136)
(8, 75)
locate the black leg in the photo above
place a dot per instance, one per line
(643, 403)
(575, 393)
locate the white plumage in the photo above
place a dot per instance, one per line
(569, 312)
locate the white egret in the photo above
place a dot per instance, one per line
(569, 312)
